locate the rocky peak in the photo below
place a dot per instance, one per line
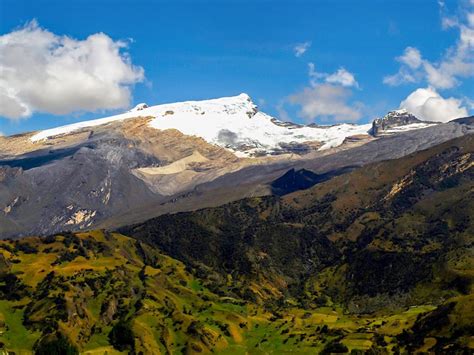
(392, 119)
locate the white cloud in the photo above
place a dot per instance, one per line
(43, 72)
(314, 76)
(301, 48)
(439, 78)
(327, 97)
(448, 22)
(403, 76)
(343, 77)
(282, 114)
(441, 75)
(469, 102)
(339, 77)
(427, 104)
(411, 57)
(470, 19)
(325, 101)
(10, 105)
(456, 63)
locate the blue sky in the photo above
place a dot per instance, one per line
(204, 49)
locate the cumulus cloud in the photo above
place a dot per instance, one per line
(339, 77)
(456, 63)
(427, 104)
(301, 48)
(44, 72)
(343, 77)
(325, 101)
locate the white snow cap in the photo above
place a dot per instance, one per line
(230, 122)
(235, 123)
(401, 111)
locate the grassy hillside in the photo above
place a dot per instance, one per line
(100, 293)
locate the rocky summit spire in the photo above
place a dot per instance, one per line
(393, 119)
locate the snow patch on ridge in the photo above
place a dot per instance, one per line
(139, 107)
(236, 124)
(408, 127)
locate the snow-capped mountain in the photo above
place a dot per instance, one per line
(234, 123)
(397, 121)
(181, 156)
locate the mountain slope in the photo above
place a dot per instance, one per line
(294, 180)
(254, 180)
(126, 169)
(382, 214)
(378, 259)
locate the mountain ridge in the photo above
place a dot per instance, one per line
(397, 120)
(234, 123)
(125, 171)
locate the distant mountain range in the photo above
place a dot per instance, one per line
(153, 160)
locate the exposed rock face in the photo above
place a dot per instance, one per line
(71, 188)
(465, 120)
(398, 118)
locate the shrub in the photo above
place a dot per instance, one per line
(121, 336)
(55, 344)
(334, 347)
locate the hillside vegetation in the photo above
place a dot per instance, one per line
(378, 260)
(101, 293)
